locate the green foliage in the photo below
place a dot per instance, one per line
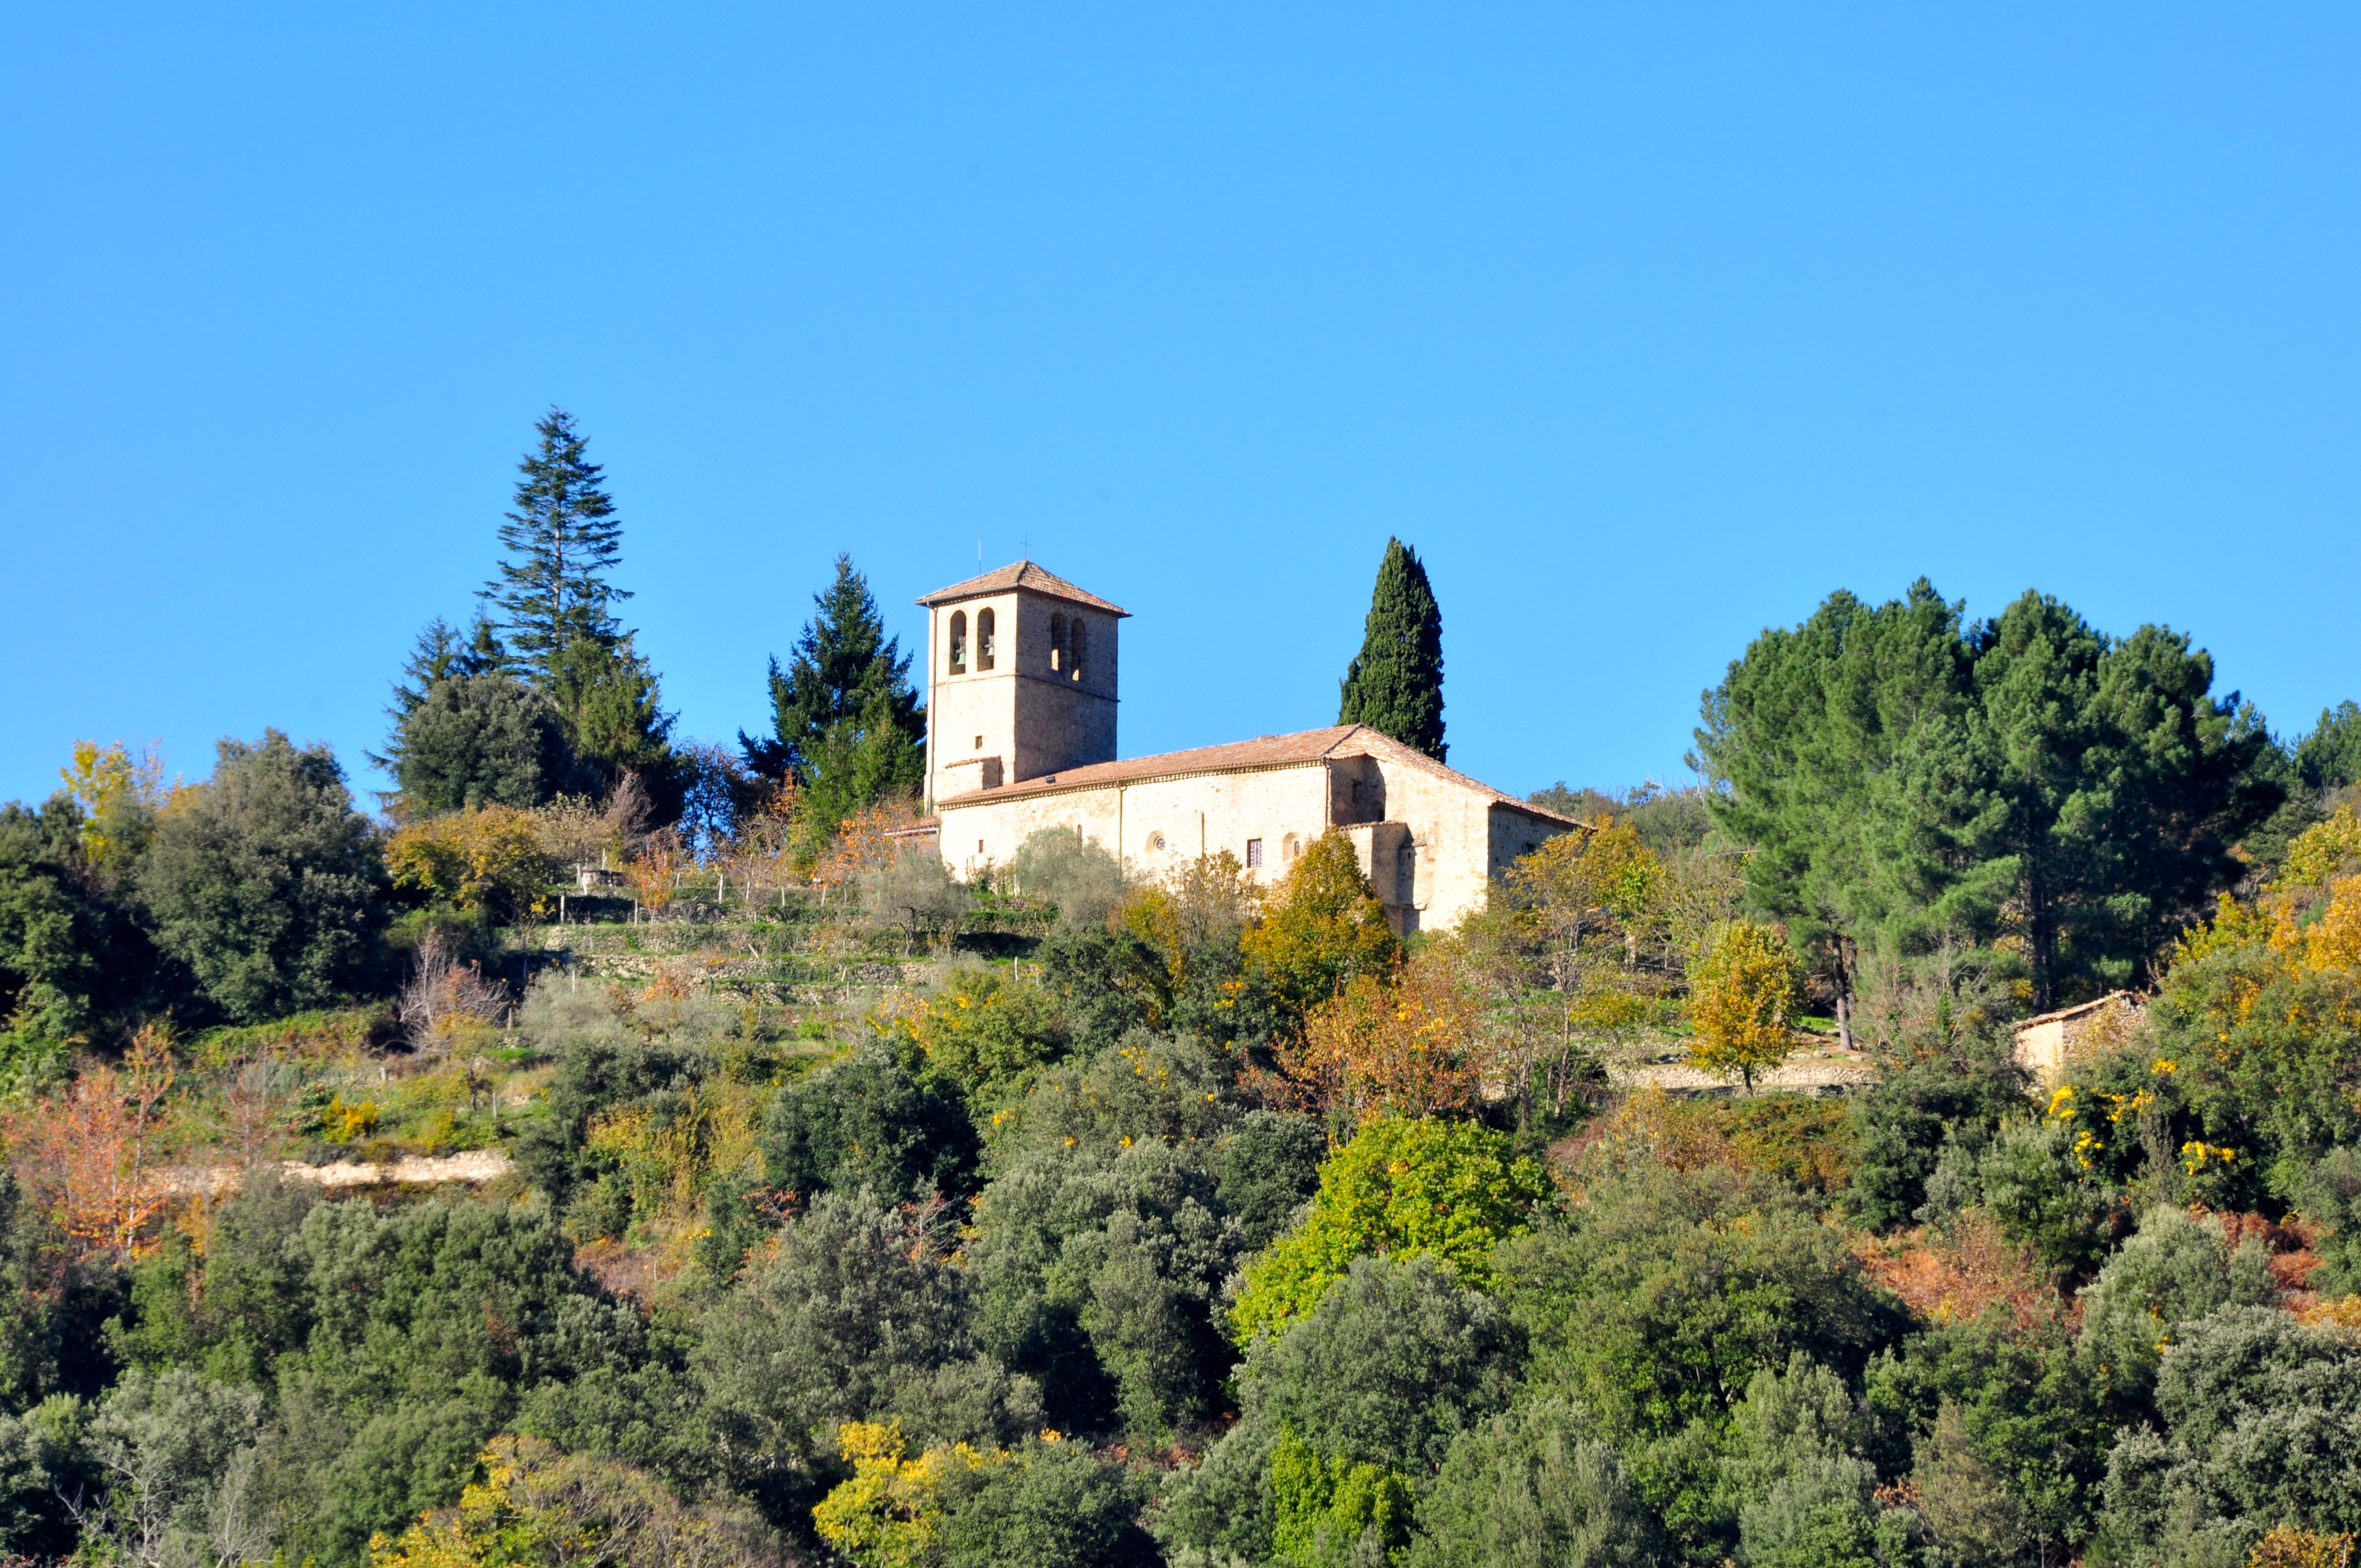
(863, 1123)
(1344, 1417)
(1656, 1300)
(844, 1315)
(1336, 1510)
(1395, 683)
(562, 540)
(1267, 1167)
(983, 1037)
(845, 721)
(1102, 1242)
(180, 1464)
(1907, 780)
(477, 741)
(70, 955)
(266, 884)
(2259, 1423)
(616, 727)
(1322, 926)
(2174, 1270)
(2032, 1179)
(1534, 1488)
(1903, 1119)
(2329, 758)
(1075, 873)
(2005, 1424)
(1055, 1504)
(1408, 1188)
(913, 891)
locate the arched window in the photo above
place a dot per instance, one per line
(1058, 660)
(1290, 847)
(959, 641)
(984, 627)
(1074, 649)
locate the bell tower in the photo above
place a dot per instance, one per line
(1020, 680)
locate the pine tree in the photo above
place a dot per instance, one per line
(439, 657)
(562, 540)
(615, 721)
(1395, 686)
(844, 717)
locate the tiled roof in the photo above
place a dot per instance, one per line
(1263, 752)
(1023, 575)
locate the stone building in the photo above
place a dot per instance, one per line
(1021, 701)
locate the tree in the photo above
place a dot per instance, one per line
(1077, 874)
(561, 541)
(615, 724)
(266, 882)
(475, 740)
(1322, 926)
(1739, 991)
(1395, 684)
(845, 721)
(2028, 783)
(1534, 1488)
(2330, 757)
(1403, 1188)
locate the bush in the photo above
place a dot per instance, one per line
(1076, 874)
(1534, 1488)
(863, 1124)
(1055, 1504)
(2175, 1270)
(266, 882)
(487, 861)
(1406, 1187)
(912, 891)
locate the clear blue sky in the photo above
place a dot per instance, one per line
(1648, 326)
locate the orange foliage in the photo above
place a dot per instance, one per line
(1959, 1279)
(865, 839)
(91, 1156)
(1413, 1044)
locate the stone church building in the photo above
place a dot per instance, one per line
(1021, 695)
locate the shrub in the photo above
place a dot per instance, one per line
(487, 861)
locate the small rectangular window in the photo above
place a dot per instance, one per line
(1254, 851)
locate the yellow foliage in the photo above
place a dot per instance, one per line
(1740, 992)
(116, 792)
(341, 1123)
(2334, 939)
(2321, 851)
(490, 857)
(1322, 926)
(888, 1514)
(2288, 1547)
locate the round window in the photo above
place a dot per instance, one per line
(1156, 840)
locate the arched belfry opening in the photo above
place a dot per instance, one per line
(1024, 682)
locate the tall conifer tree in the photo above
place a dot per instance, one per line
(844, 717)
(1395, 686)
(562, 540)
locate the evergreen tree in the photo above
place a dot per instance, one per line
(562, 540)
(440, 656)
(2330, 757)
(615, 722)
(1395, 686)
(844, 717)
(2030, 784)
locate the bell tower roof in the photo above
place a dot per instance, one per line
(1024, 575)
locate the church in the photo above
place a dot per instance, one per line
(1021, 698)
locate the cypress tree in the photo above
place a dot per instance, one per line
(562, 540)
(844, 717)
(1395, 686)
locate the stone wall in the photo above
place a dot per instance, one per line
(1022, 718)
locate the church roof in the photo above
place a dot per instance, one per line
(1247, 756)
(1023, 575)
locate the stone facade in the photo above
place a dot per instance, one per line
(1006, 697)
(1430, 840)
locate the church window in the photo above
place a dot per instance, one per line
(1290, 847)
(979, 742)
(979, 845)
(985, 624)
(1058, 660)
(1074, 649)
(1254, 851)
(959, 642)
(1156, 840)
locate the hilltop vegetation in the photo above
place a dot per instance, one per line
(825, 1209)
